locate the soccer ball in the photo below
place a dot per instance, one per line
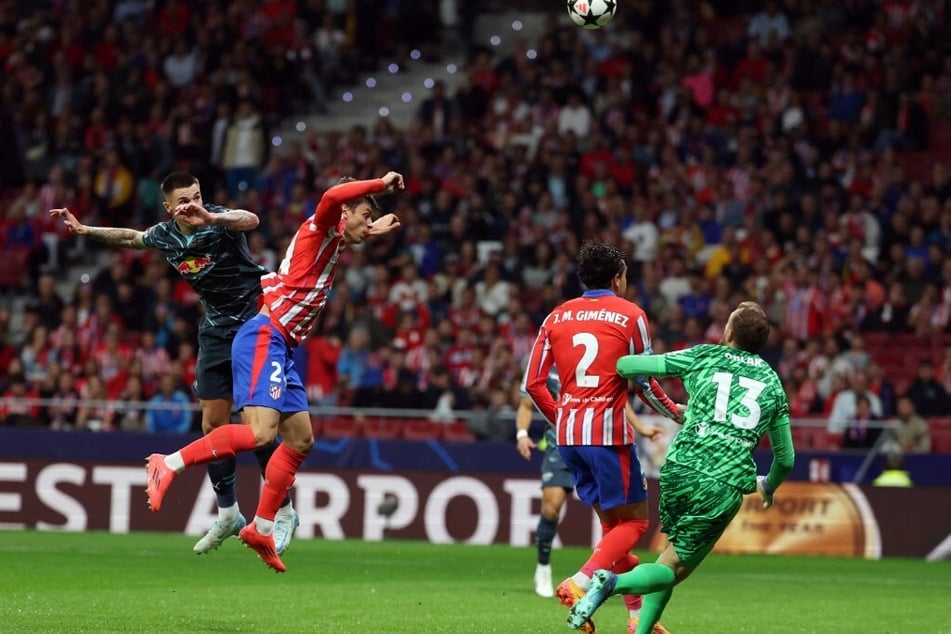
(591, 14)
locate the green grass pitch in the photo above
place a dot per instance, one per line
(146, 582)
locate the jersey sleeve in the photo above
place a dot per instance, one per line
(328, 209)
(648, 389)
(535, 382)
(153, 237)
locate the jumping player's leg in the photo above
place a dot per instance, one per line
(296, 429)
(256, 346)
(281, 473)
(214, 384)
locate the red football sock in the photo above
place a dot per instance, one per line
(626, 564)
(633, 602)
(220, 443)
(616, 544)
(278, 478)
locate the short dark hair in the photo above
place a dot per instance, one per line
(177, 180)
(750, 327)
(598, 263)
(369, 199)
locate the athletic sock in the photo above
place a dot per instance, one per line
(544, 536)
(625, 563)
(582, 580)
(633, 602)
(222, 476)
(643, 580)
(264, 456)
(278, 479)
(175, 462)
(615, 545)
(654, 604)
(218, 444)
(265, 527)
(228, 514)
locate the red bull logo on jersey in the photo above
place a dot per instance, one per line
(193, 265)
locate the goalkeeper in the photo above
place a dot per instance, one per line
(735, 397)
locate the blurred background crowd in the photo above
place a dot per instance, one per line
(793, 152)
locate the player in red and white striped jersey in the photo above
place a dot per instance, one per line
(583, 338)
(267, 388)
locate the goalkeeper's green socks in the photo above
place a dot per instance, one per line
(644, 579)
(656, 583)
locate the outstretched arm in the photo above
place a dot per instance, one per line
(641, 368)
(328, 209)
(113, 236)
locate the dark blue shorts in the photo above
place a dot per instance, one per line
(555, 472)
(608, 476)
(213, 378)
(263, 369)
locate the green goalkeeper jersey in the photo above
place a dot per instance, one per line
(735, 397)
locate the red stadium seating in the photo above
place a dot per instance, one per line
(941, 440)
(382, 428)
(341, 427)
(457, 431)
(422, 429)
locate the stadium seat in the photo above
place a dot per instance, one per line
(941, 440)
(942, 423)
(457, 431)
(802, 437)
(382, 428)
(824, 440)
(422, 429)
(316, 425)
(342, 427)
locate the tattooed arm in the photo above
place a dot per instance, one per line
(116, 237)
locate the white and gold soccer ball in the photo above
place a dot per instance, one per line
(591, 14)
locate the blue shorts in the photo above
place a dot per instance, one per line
(263, 369)
(607, 476)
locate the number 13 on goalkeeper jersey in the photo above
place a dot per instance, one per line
(583, 338)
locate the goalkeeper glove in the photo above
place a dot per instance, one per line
(762, 486)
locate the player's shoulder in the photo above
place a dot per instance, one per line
(627, 304)
(160, 231)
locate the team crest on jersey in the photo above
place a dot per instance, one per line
(193, 265)
(702, 429)
(275, 392)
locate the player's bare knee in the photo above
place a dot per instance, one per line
(264, 435)
(210, 423)
(302, 445)
(550, 510)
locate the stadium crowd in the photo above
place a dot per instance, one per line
(733, 155)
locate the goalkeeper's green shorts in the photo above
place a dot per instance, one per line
(694, 510)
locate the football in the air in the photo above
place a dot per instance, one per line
(591, 14)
